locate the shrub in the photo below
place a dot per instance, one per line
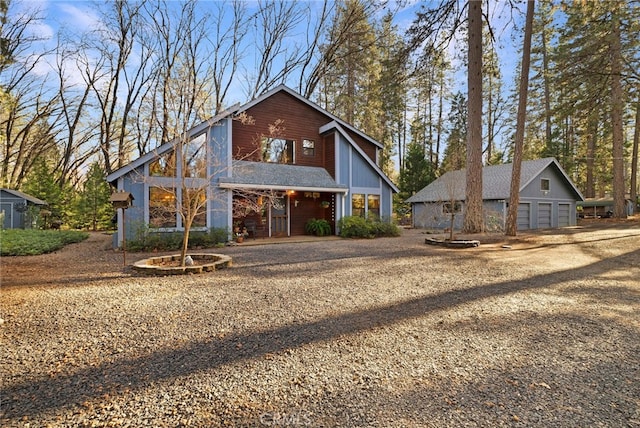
(147, 240)
(318, 227)
(26, 242)
(358, 227)
(354, 227)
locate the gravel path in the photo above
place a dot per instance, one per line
(355, 333)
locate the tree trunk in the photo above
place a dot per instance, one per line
(592, 139)
(616, 116)
(473, 216)
(634, 160)
(514, 197)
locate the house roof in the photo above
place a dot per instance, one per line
(496, 182)
(335, 125)
(24, 196)
(168, 146)
(274, 176)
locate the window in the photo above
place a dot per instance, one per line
(277, 150)
(308, 147)
(357, 205)
(544, 184)
(195, 201)
(195, 157)
(164, 166)
(448, 209)
(162, 207)
(373, 206)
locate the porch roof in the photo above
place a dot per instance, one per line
(274, 176)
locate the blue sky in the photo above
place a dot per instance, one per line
(81, 16)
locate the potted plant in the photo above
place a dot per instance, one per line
(318, 227)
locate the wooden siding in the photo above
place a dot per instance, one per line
(300, 121)
(308, 208)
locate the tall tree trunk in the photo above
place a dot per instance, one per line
(592, 139)
(473, 217)
(634, 159)
(514, 196)
(547, 89)
(616, 115)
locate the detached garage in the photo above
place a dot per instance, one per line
(547, 197)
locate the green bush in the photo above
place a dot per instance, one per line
(147, 240)
(318, 227)
(359, 227)
(26, 242)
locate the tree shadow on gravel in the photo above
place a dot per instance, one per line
(28, 398)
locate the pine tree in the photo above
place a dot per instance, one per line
(94, 209)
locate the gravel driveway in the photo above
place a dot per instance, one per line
(355, 333)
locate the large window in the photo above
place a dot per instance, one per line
(373, 206)
(194, 202)
(195, 157)
(277, 150)
(162, 207)
(357, 205)
(164, 166)
(365, 205)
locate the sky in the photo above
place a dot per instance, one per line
(81, 16)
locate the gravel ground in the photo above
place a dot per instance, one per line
(354, 333)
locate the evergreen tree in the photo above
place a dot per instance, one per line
(94, 209)
(456, 151)
(417, 172)
(41, 183)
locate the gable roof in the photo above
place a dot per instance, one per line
(284, 88)
(24, 196)
(275, 176)
(335, 125)
(496, 182)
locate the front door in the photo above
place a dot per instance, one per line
(279, 218)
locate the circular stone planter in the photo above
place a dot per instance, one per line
(162, 265)
(452, 244)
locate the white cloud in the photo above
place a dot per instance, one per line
(79, 18)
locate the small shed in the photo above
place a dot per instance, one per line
(18, 210)
(601, 207)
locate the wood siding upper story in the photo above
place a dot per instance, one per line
(299, 121)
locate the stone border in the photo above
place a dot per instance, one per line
(453, 244)
(152, 265)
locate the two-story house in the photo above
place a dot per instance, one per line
(271, 164)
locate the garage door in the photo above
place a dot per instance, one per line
(524, 219)
(544, 216)
(563, 215)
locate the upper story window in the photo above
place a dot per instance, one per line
(164, 166)
(544, 184)
(195, 157)
(277, 150)
(308, 147)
